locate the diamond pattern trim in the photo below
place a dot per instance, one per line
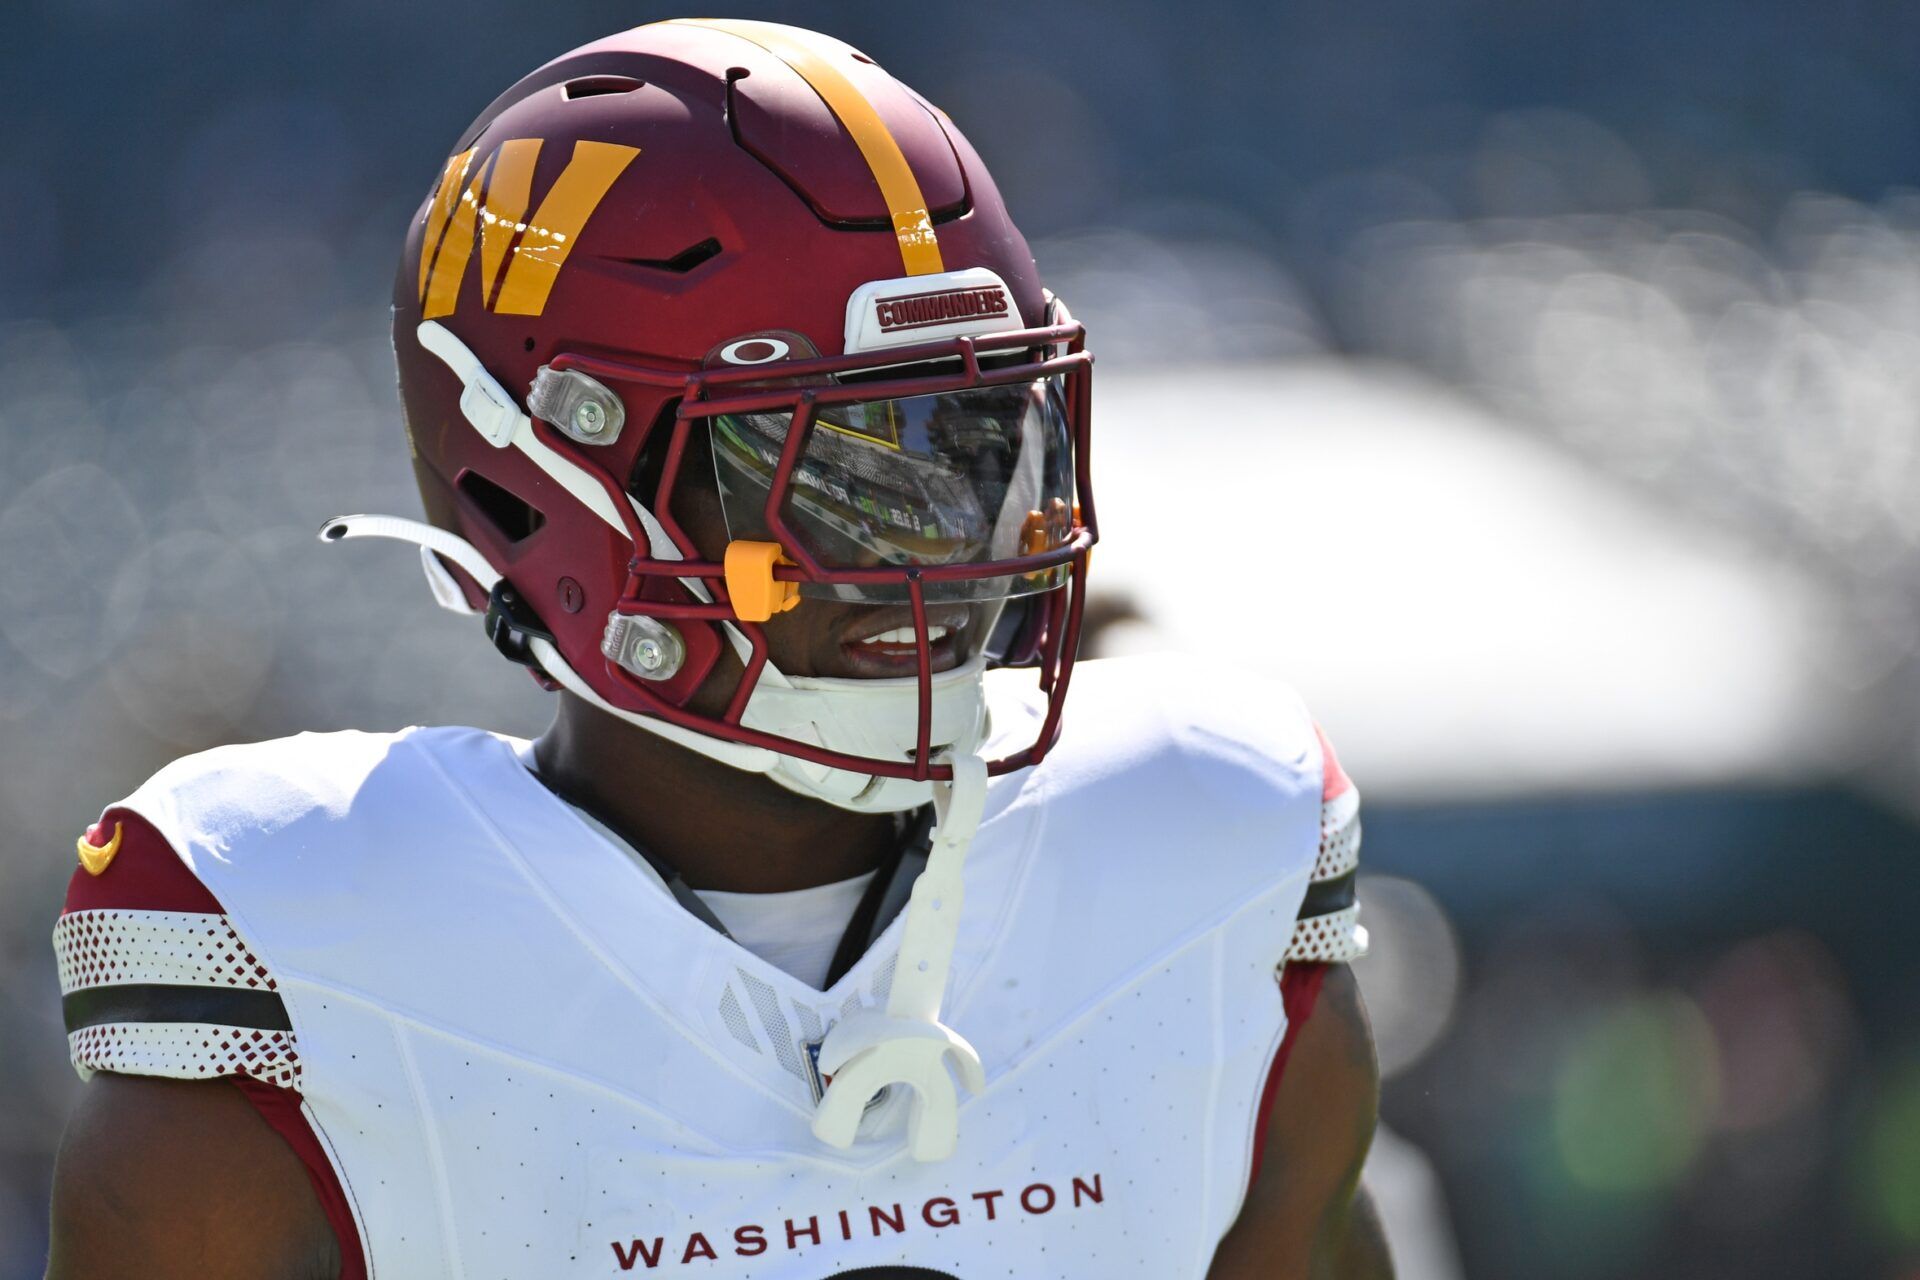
(1335, 937)
(1339, 836)
(178, 948)
(186, 1051)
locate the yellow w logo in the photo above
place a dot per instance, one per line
(532, 250)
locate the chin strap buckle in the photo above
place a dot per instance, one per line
(512, 625)
(908, 1044)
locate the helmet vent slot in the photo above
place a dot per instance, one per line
(514, 518)
(599, 86)
(682, 262)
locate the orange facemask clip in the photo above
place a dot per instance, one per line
(755, 593)
(1045, 530)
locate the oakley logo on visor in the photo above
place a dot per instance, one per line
(756, 351)
(769, 346)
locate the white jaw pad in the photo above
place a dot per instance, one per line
(879, 719)
(838, 787)
(899, 313)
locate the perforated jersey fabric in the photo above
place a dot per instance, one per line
(736, 1020)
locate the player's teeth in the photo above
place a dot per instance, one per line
(904, 636)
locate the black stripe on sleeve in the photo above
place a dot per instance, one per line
(163, 1002)
(1324, 897)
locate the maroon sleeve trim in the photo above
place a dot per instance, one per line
(146, 874)
(281, 1109)
(1334, 781)
(1299, 991)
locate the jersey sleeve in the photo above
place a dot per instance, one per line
(154, 978)
(1328, 928)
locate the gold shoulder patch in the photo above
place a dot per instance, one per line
(96, 857)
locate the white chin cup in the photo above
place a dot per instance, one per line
(875, 718)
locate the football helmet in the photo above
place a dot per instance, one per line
(742, 254)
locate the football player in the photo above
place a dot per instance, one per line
(811, 940)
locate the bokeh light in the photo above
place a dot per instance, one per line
(1411, 977)
(1633, 1096)
(1567, 369)
(1889, 1161)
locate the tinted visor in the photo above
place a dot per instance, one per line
(961, 477)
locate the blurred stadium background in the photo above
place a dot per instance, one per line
(1579, 343)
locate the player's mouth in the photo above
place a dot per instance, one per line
(881, 644)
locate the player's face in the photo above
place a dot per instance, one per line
(832, 638)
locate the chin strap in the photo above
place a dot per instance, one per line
(907, 1044)
(433, 540)
(737, 754)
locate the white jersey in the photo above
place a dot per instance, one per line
(520, 1057)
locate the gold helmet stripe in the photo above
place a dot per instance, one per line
(503, 216)
(440, 213)
(919, 246)
(456, 246)
(518, 255)
(556, 224)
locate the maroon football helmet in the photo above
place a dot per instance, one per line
(743, 253)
